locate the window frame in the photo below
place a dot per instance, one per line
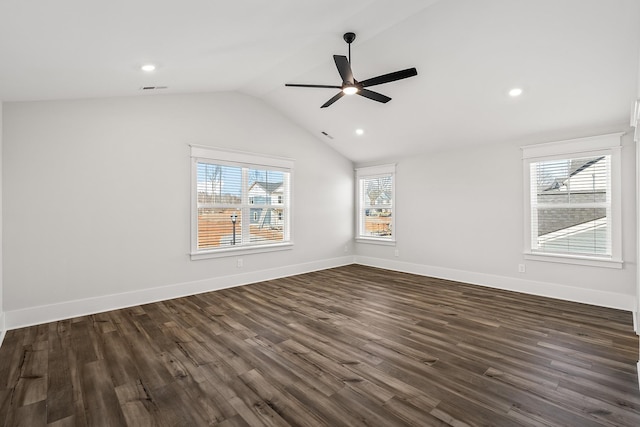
(368, 173)
(609, 144)
(244, 160)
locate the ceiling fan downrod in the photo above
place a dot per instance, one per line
(349, 38)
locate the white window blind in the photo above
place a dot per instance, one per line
(239, 204)
(571, 206)
(376, 205)
(572, 202)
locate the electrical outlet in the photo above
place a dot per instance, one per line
(346, 248)
(240, 263)
(521, 268)
(397, 252)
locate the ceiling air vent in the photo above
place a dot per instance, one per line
(327, 135)
(153, 87)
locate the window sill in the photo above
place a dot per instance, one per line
(374, 241)
(242, 250)
(576, 260)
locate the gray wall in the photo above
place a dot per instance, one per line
(97, 198)
(459, 215)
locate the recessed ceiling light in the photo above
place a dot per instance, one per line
(359, 131)
(516, 91)
(148, 68)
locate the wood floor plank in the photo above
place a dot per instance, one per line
(118, 357)
(411, 414)
(12, 359)
(76, 379)
(59, 393)
(323, 406)
(349, 346)
(143, 350)
(298, 357)
(235, 421)
(32, 415)
(173, 407)
(138, 408)
(285, 405)
(32, 385)
(65, 422)
(100, 397)
(367, 410)
(210, 402)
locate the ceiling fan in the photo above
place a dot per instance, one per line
(351, 86)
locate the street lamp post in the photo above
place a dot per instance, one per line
(234, 217)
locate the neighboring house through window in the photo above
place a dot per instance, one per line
(241, 202)
(573, 201)
(375, 204)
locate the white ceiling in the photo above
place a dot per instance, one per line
(577, 61)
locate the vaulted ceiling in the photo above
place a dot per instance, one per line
(575, 60)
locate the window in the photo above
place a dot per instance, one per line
(375, 204)
(240, 203)
(573, 203)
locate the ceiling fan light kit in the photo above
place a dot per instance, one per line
(351, 86)
(350, 90)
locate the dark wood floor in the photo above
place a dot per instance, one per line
(347, 346)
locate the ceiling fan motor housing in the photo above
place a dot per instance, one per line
(349, 37)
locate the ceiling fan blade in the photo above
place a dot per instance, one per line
(391, 77)
(344, 68)
(321, 86)
(332, 100)
(374, 95)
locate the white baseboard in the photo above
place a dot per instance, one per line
(50, 313)
(545, 289)
(13, 319)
